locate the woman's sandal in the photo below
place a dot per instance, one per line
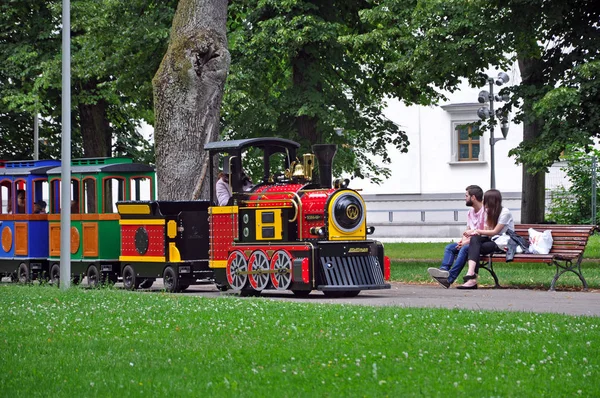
(467, 278)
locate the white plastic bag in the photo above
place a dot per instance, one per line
(540, 242)
(501, 241)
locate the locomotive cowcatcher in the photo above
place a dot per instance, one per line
(290, 231)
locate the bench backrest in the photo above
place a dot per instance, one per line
(567, 239)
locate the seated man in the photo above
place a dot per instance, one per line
(455, 254)
(222, 189)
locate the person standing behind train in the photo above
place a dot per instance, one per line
(498, 220)
(455, 254)
(222, 189)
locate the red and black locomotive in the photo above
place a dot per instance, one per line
(290, 231)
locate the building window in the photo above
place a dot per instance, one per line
(465, 141)
(468, 142)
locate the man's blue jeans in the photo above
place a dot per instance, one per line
(454, 260)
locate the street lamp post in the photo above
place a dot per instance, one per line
(485, 113)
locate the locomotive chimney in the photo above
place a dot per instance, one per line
(325, 154)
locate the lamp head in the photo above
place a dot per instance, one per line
(483, 97)
(483, 113)
(504, 127)
(502, 78)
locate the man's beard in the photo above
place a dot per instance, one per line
(469, 203)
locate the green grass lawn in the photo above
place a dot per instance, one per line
(411, 260)
(116, 343)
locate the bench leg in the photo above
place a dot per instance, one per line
(489, 267)
(568, 266)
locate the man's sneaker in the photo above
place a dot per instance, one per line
(443, 281)
(438, 273)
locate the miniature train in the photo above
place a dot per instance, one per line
(287, 232)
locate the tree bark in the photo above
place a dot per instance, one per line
(306, 126)
(533, 194)
(188, 89)
(95, 130)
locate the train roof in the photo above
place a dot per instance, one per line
(104, 165)
(237, 145)
(27, 167)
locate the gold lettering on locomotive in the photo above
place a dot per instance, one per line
(358, 250)
(352, 212)
(314, 217)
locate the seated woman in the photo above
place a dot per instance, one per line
(499, 220)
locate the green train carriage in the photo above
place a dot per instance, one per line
(97, 184)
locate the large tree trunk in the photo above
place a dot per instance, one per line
(95, 130)
(188, 88)
(306, 126)
(533, 194)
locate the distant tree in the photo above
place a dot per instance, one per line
(188, 88)
(573, 204)
(555, 42)
(116, 49)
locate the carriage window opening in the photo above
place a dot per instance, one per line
(40, 196)
(75, 200)
(89, 196)
(5, 197)
(114, 191)
(140, 188)
(21, 198)
(54, 206)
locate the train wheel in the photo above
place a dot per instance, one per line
(93, 276)
(55, 274)
(129, 279)
(281, 263)
(237, 271)
(258, 262)
(170, 281)
(24, 275)
(147, 283)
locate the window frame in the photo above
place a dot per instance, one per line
(461, 114)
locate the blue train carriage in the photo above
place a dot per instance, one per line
(164, 239)
(23, 222)
(97, 184)
(290, 231)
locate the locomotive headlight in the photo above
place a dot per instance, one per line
(370, 230)
(347, 212)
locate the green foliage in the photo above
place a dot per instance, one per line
(573, 204)
(116, 48)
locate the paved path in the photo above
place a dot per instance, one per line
(409, 295)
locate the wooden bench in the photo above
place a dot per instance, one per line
(569, 242)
